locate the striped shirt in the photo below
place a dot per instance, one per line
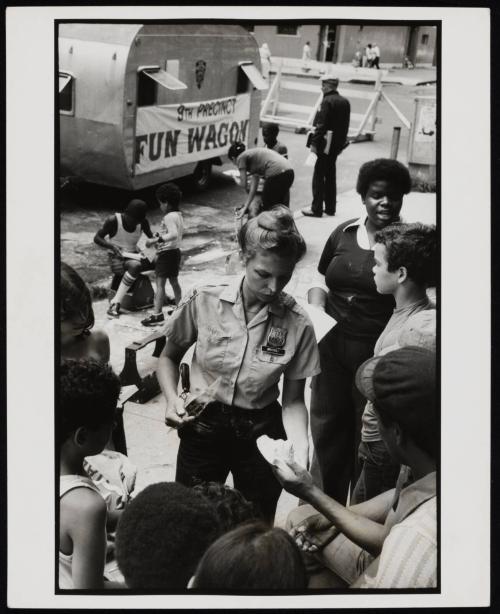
(409, 554)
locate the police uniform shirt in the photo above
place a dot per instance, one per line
(249, 357)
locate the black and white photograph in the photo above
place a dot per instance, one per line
(251, 227)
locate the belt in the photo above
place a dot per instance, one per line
(246, 423)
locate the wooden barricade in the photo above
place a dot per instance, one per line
(301, 116)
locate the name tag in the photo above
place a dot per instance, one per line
(274, 351)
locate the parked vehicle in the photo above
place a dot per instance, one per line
(144, 104)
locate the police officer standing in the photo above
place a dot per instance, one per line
(333, 115)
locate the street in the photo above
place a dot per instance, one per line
(208, 215)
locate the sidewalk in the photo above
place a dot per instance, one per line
(151, 445)
(347, 73)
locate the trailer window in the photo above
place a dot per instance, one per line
(65, 93)
(147, 90)
(254, 76)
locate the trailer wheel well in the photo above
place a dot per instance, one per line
(201, 175)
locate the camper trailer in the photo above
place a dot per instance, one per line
(144, 104)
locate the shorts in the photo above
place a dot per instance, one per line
(168, 263)
(117, 264)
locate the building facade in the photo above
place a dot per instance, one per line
(339, 42)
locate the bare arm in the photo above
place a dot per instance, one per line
(367, 533)
(317, 297)
(87, 530)
(146, 229)
(254, 183)
(295, 419)
(316, 530)
(168, 378)
(108, 230)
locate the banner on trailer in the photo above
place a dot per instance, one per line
(170, 135)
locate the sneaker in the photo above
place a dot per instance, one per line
(114, 310)
(155, 318)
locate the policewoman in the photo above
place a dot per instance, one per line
(249, 334)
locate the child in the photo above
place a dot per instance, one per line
(162, 534)
(270, 136)
(88, 395)
(231, 506)
(167, 242)
(77, 320)
(252, 557)
(405, 266)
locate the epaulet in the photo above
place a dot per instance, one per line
(290, 303)
(193, 292)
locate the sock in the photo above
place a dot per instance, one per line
(126, 283)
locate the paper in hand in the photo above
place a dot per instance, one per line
(311, 159)
(321, 321)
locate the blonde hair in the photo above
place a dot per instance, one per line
(274, 231)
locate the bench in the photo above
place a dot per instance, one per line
(147, 386)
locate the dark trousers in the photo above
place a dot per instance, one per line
(324, 184)
(379, 471)
(375, 62)
(214, 445)
(336, 410)
(276, 190)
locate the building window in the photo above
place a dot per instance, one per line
(66, 88)
(287, 29)
(425, 39)
(249, 27)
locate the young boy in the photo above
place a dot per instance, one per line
(168, 242)
(88, 395)
(270, 137)
(405, 266)
(162, 534)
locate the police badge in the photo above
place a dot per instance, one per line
(200, 69)
(275, 341)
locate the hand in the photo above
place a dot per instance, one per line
(294, 478)
(313, 533)
(301, 455)
(175, 414)
(240, 212)
(117, 251)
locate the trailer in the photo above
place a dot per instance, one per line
(141, 104)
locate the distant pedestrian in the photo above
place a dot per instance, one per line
(306, 57)
(333, 116)
(276, 171)
(357, 59)
(127, 262)
(265, 60)
(369, 55)
(167, 242)
(376, 56)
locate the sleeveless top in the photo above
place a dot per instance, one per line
(127, 241)
(67, 483)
